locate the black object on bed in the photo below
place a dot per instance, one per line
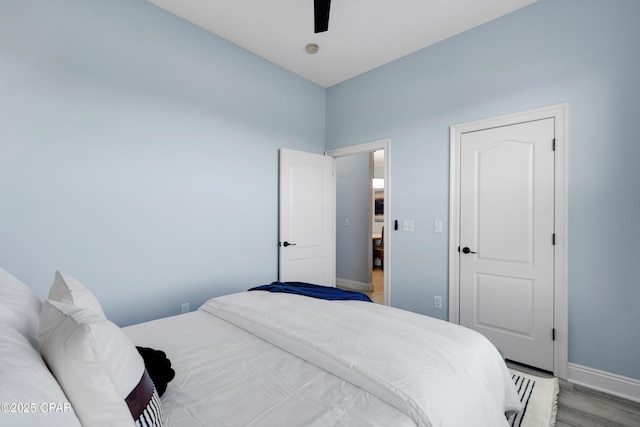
(314, 291)
(158, 366)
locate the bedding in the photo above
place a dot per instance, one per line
(19, 307)
(98, 367)
(313, 291)
(227, 377)
(255, 359)
(29, 393)
(276, 359)
(69, 290)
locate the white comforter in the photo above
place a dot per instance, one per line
(277, 360)
(437, 373)
(227, 377)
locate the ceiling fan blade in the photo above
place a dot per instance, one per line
(321, 15)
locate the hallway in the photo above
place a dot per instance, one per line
(377, 295)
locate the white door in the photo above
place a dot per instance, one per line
(506, 238)
(307, 218)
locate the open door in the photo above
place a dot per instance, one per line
(307, 218)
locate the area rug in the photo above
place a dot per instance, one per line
(539, 397)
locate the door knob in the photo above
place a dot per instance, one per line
(285, 244)
(466, 250)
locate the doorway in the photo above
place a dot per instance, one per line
(370, 237)
(377, 225)
(493, 269)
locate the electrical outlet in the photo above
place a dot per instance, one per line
(185, 307)
(437, 302)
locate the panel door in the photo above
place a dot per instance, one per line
(307, 218)
(506, 238)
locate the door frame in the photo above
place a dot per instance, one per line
(383, 144)
(560, 312)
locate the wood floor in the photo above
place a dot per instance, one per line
(580, 406)
(377, 295)
(583, 407)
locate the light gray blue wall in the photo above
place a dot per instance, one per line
(139, 153)
(353, 202)
(584, 52)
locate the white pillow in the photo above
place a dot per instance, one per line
(69, 290)
(19, 307)
(94, 361)
(31, 391)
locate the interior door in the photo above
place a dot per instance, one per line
(307, 218)
(506, 238)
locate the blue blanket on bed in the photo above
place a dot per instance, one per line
(314, 291)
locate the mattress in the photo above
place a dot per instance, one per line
(263, 359)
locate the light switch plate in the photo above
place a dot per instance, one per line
(437, 226)
(407, 225)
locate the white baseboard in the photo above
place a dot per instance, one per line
(354, 285)
(617, 385)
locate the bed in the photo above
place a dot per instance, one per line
(260, 358)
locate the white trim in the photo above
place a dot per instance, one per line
(617, 385)
(354, 285)
(383, 144)
(560, 114)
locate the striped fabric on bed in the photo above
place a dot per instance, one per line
(151, 416)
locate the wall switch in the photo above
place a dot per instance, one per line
(407, 225)
(437, 226)
(346, 222)
(185, 307)
(437, 302)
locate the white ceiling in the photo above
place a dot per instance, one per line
(363, 34)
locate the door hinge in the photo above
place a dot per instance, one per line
(553, 239)
(553, 144)
(553, 334)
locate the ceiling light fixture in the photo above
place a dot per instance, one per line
(311, 48)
